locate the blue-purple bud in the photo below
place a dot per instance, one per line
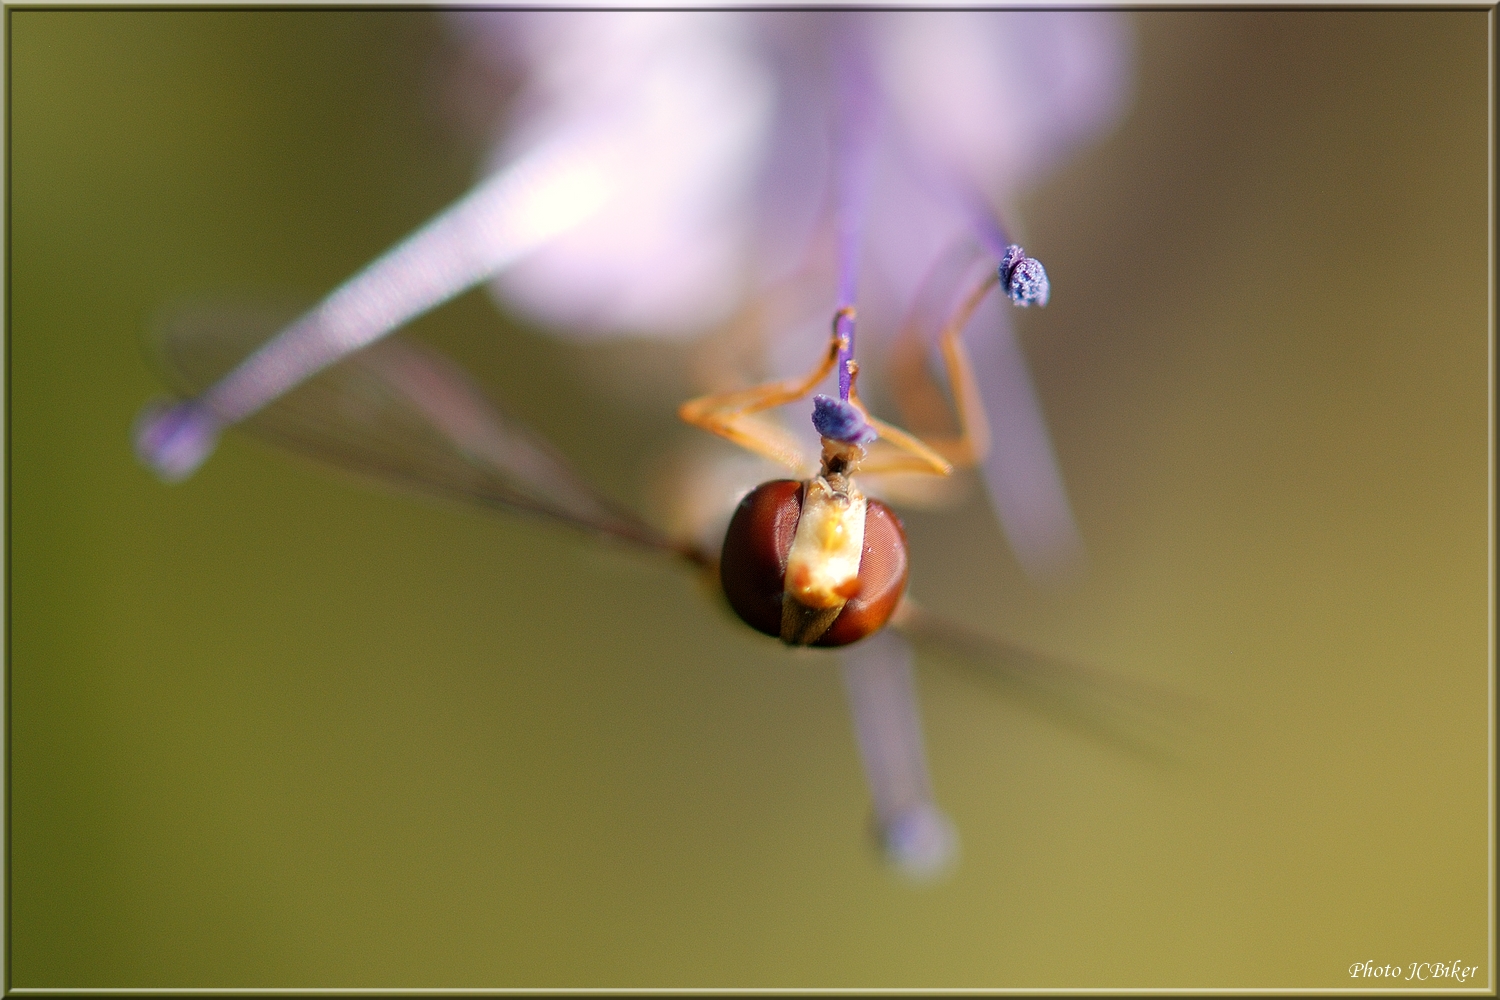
(173, 439)
(1023, 278)
(839, 420)
(920, 842)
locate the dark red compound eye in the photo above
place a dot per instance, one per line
(752, 568)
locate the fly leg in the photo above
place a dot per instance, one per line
(916, 392)
(734, 415)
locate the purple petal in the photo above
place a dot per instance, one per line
(1020, 472)
(877, 672)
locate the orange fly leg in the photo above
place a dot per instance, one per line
(919, 397)
(732, 415)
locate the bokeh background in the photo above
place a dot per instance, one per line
(271, 728)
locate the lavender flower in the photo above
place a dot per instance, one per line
(908, 126)
(732, 117)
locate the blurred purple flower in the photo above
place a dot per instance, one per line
(722, 126)
(720, 130)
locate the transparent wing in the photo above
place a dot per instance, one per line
(405, 414)
(1122, 713)
(918, 839)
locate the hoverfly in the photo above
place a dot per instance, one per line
(811, 560)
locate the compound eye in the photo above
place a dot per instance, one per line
(752, 568)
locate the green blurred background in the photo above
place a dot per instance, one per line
(270, 728)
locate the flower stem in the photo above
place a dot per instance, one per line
(854, 135)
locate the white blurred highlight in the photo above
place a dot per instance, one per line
(998, 98)
(688, 104)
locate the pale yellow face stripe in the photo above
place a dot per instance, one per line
(822, 566)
